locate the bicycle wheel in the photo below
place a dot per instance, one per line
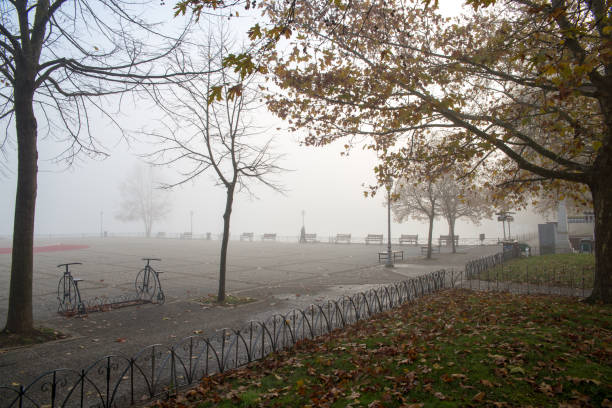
(161, 298)
(67, 295)
(146, 284)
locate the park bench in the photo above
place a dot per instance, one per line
(268, 237)
(310, 238)
(447, 240)
(396, 255)
(409, 239)
(433, 249)
(374, 238)
(343, 238)
(246, 236)
(186, 235)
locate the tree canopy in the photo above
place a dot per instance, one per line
(519, 90)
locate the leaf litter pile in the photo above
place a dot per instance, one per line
(454, 348)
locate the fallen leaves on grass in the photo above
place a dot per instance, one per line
(459, 347)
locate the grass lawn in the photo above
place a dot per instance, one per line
(567, 270)
(454, 348)
(230, 300)
(40, 335)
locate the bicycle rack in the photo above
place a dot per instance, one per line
(70, 302)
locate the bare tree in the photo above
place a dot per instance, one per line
(142, 200)
(211, 133)
(419, 200)
(458, 200)
(59, 59)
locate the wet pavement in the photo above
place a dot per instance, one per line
(280, 276)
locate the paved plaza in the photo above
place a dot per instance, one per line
(280, 276)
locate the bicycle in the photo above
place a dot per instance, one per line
(68, 293)
(148, 285)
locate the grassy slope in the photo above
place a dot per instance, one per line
(455, 348)
(572, 270)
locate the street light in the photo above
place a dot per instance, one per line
(389, 263)
(191, 228)
(505, 216)
(303, 229)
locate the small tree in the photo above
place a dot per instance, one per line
(207, 128)
(58, 60)
(458, 200)
(417, 200)
(141, 200)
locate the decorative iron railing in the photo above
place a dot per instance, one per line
(158, 370)
(493, 273)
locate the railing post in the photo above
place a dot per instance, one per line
(21, 394)
(53, 389)
(131, 381)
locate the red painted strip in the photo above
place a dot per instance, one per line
(49, 248)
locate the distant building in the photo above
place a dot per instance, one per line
(581, 226)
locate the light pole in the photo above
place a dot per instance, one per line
(101, 224)
(191, 223)
(508, 219)
(505, 216)
(302, 239)
(389, 263)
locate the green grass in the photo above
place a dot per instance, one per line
(566, 270)
(455, 348)
(230, 300)
(39, 335)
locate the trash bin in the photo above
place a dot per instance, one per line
(524, 248)
(511, 249)
(586, 246)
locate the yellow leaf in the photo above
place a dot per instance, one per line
(596, 145)
(479, 397)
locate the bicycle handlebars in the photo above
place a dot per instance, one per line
(68, 264)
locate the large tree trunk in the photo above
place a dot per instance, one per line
(19, 316)
(602, 204)
(224, 243)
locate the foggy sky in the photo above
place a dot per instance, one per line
(328, 187)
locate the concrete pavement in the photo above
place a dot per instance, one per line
(281, 276)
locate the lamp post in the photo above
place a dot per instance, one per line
(302, 239)
(389, 263)
(191, 222)
(505, 216)
(101, 224)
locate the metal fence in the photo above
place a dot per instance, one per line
(158, 370)
(492, 273)
(321, 238)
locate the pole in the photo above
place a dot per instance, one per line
(389, 263)
(504, 227)
(101, 224)
(509, 236)
(191, 228)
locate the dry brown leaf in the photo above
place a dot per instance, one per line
(439, 395)
(479, 397)
(486, 383)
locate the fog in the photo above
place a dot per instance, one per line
(84, 198)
